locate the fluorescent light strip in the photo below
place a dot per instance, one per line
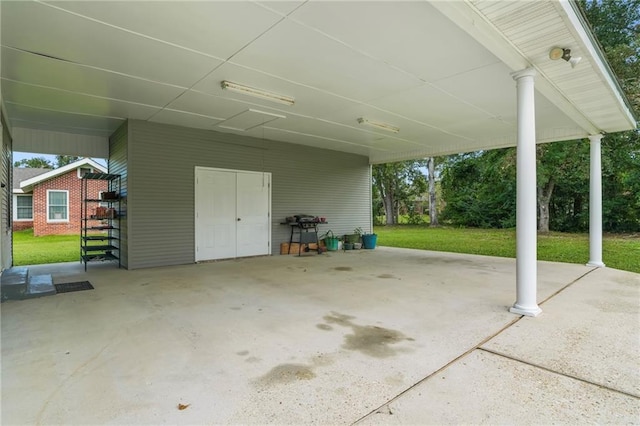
(379, 125)
(257, 93)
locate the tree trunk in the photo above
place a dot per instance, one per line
(389, 211)
(433, 211)
(544, 198)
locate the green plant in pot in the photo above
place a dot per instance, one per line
(357, 245)
(354, 237)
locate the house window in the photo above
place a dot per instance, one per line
(57, 206)
(24, 207)
(83, 171)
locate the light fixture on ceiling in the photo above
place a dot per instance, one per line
(564, 53)
(379, 125)
(257, 93)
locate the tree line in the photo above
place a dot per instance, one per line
(478, 189)
(43, 163)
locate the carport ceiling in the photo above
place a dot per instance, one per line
(439, 72)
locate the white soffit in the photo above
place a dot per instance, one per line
(50, 30)
(249, 119)
(185, 119)
(439, 71)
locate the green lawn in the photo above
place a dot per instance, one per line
(619, 252)
(30, 250)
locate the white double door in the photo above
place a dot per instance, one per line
(233, 211)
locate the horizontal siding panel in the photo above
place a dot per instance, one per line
(52, 142)
(118, 146)
(304, 180)
(5, 195)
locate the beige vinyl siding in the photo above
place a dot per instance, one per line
(161, 170)
(118, 146)
(55, 142)
(6, 237)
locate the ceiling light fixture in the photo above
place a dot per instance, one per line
(562, 53)
(379, 125)
(257, 93)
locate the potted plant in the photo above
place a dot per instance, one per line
(369, 241)
(354, 237)
(357, 245)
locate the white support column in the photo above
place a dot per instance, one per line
(526, 205)
(595, 203)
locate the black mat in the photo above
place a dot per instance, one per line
(77, 286)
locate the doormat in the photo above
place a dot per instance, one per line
(77, 286)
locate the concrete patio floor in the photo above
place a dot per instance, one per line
(373, 337)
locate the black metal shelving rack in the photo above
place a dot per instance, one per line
(100, 242)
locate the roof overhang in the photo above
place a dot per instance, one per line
(28, 184)
(436, 75)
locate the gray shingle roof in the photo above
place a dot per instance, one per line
(21, 173)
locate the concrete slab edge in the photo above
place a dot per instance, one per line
(438, 371)
(570, 376)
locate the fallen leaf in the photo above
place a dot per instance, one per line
(183, 406)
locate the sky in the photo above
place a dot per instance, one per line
(17, 156)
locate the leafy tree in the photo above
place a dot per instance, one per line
(564, 165)
(479, 193)
(616, 24)
(621, 182)
(34, 163)
(63, 160)
(479, 189)
(396, 184)
(563, 175)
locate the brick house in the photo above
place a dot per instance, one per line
(49, 201)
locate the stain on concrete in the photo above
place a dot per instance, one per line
(435, 260)
(253, 359)
(373, 341)
(369, 339)
(386, 276)
(236, 308)
(242, 353)
(343, 268)
(340, 319)
(286, 374)
(325, 327)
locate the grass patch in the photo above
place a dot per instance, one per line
(618, 251)
(30, 250)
